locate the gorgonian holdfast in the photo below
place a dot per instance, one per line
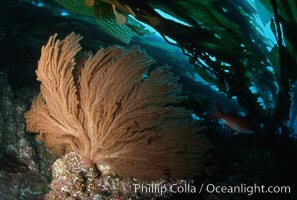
(103, 108)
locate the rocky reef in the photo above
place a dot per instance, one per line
(24, 171)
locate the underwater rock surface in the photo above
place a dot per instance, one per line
(24, 172)
(73, 181)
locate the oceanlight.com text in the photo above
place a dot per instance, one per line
(247, 189)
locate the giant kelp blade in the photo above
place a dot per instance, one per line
(105, 17)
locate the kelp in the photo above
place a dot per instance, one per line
(106, 20)
(226, 46)
(283, 59)
(222, 39)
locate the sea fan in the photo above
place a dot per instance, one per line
(108, 109)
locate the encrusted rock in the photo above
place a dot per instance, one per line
(71, 180)
(24, 171)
